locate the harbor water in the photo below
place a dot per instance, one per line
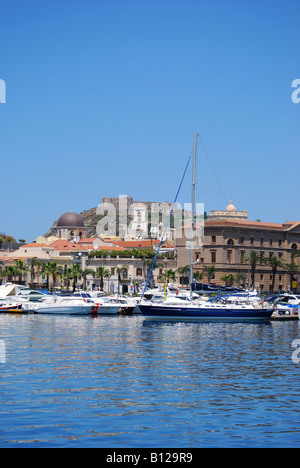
(123, 382)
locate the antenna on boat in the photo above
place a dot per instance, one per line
(193, 215)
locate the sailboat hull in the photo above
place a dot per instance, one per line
(153, 312)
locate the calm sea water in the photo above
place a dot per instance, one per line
(121, 382)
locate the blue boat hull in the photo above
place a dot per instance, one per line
(177, 313)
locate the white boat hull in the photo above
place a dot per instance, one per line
(65, 310)
(107, 310)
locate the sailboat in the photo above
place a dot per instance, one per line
(202, 310)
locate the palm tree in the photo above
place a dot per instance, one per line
(253, 259)
(50, 269)
(85, 274)
(240, 279)
(9, 272)
(102, 273)
(291, 269)
(228, 279)
(34, 262)
(75, 274)
(21, 268)
(275, 263)
(169, 275)
(184, 273)
(210, 272)
(198, 276)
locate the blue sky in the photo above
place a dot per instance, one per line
(104, 96)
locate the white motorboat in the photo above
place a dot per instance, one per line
(63, 305)
(110, 305)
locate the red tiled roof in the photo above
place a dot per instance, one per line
(136, 244)
(63, 244)
(89, 240)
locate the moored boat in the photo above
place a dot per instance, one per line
(208, 311)
(64, 306)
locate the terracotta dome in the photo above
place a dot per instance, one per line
(231, 207)
(70, 220)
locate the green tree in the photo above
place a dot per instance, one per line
(198, 276)
(85, 273)
(102, 273)
(75, 273)
(210, 272)
(228, 279)
(9, 272)
(21, 268)
(253, 259)
(35, 266)
(51, 270)
(169, 275)
(275, 263)
(291, 269)
(184, 273)
(240, 279)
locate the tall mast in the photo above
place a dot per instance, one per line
(193, 215)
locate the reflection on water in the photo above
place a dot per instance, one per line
(124, 382)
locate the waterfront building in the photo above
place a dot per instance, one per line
(229, 240)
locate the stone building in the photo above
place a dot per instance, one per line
(228, 240)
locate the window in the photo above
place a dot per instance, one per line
(213, 257)
(242, 255)
(213, 239)
(229, 256)
(262, 241)
(252, 240)
(271, 242)
(280, 242)
(139, 272)
(242, 240)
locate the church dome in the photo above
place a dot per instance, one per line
(70, 220)
(231, 207)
